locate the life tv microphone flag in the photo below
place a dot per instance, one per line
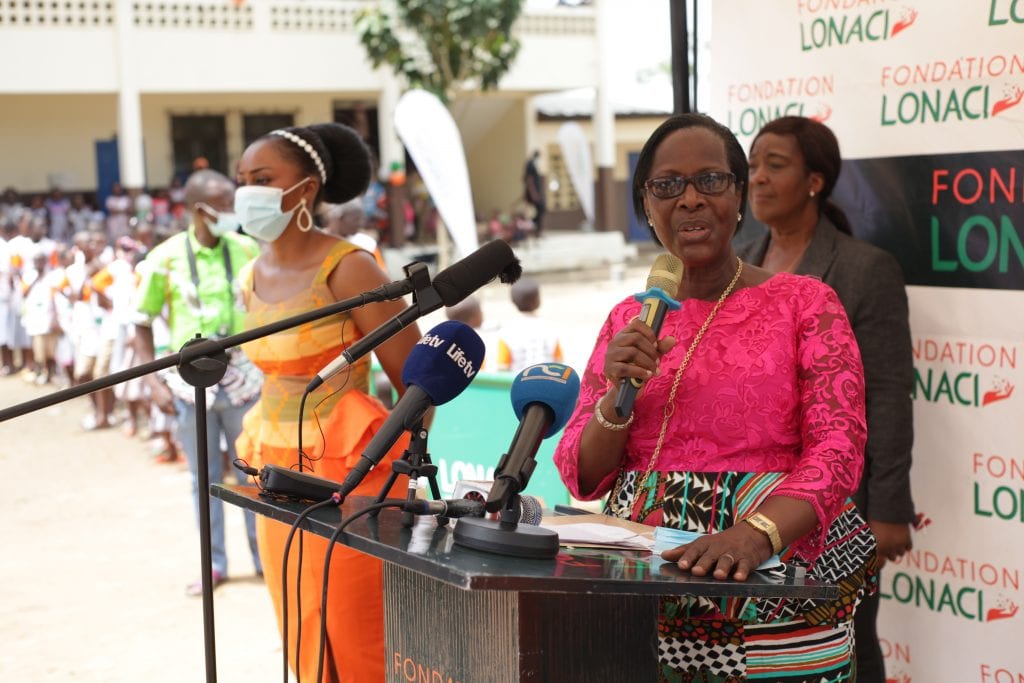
(453, 284)
(543, 398)
(662, 287)
(440, 366)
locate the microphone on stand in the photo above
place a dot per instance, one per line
(659, 299)
(450, 286)
(439, 367)
(543, 397)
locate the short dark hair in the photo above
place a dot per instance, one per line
(734, 154)
(526, 294)
(820, 149)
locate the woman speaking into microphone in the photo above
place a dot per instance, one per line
(748, 427)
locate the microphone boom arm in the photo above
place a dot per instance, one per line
(197, 355)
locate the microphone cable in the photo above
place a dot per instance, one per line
(334, 500)
(387, 502)
(287, 547)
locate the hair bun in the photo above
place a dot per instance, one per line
(349, 169)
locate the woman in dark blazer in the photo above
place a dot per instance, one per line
(794, 165)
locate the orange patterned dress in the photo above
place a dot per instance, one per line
(348, 417)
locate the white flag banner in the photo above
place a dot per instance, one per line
(579, 164)
(926, 98)
(428, 131)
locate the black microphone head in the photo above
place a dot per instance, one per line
(493, 260)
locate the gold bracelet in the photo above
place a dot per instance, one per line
(604, 422)
(767, 527)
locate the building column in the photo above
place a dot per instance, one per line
(131, 154)
(391, 152)
(604, 127)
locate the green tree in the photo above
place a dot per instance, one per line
(442, 46)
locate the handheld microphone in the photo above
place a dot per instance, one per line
(659, 299)
(451, 285)
(439, 367)
(543, 397)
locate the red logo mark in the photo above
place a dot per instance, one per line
(921, 521)
(823, 113)
(907, 18)
(1002, 612)
(1001, 390)
(1013, 96)
(898, 678)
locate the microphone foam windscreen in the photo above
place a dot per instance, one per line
(464, 277)
(444, 361)
(666, 273)
(555, 385)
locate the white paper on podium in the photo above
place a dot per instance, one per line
(600, 531)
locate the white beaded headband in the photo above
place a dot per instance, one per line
(307, 148)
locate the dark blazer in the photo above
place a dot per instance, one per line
(870, 285)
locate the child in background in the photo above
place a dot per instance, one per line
(527, 339)
(114, 285)
(39, 317)
(63, 303)
(470, 312)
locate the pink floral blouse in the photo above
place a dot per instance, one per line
(775, 385)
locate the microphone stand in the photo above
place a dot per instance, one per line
(506, 536)
(414, 462)
(202, 363)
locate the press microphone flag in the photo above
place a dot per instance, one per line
(450, 286)
(439, 367)
(543, 398)
(659, 299)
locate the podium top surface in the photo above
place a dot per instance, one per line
(430, 549)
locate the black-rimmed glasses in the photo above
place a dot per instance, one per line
(711, 183)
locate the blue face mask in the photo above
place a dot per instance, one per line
(259, 209)
(225, 220)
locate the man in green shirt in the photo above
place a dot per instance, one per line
(193, 276)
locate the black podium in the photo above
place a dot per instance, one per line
(456, 614)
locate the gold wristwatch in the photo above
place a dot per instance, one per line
(766, 527)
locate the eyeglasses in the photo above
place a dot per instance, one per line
(712, 183)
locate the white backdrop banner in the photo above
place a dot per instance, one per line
(925, 97)
(576, 152)
(429, 132)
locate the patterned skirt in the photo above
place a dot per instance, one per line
(728, 640)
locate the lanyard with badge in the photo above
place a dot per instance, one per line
(228, 273)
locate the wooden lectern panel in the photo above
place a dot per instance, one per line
(438, 633)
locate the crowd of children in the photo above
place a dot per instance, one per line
(66, 308)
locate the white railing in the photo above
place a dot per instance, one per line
(285, 15)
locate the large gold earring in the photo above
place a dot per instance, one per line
(305, 221)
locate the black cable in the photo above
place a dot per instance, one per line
(333, 500)
(298, 561)
(298, 569)
(387, 502)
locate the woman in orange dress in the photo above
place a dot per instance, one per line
(282, 177)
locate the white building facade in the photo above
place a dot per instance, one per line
(136, 89)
